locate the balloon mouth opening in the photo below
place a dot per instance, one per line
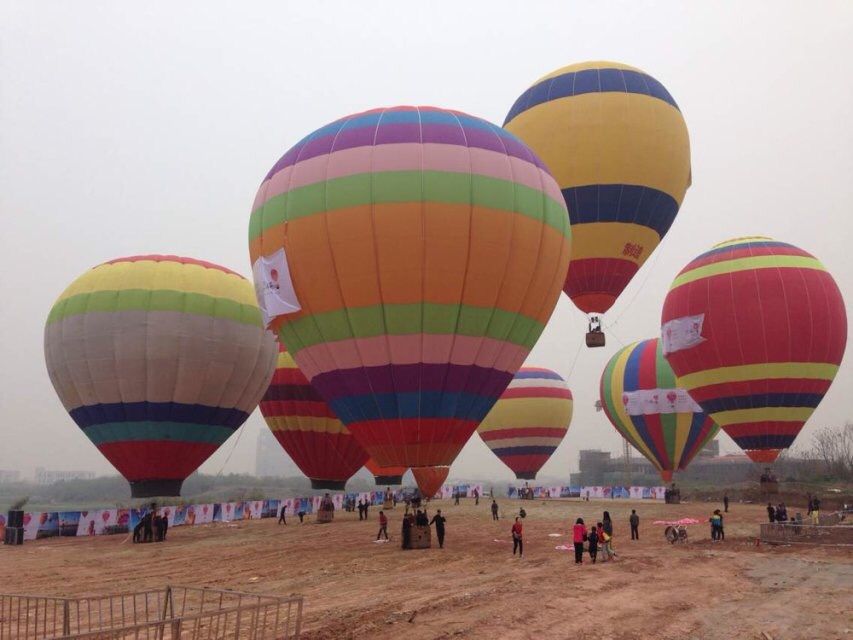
(329, 485)
(666, 475)
(592, 303)
(763, 456)
(155, 488)
(388, 480)
(525, 475)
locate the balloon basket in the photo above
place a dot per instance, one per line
(770, 487)
(421, 537)
(325, 516)
(595, 339)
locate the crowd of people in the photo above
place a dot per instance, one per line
(152, 526)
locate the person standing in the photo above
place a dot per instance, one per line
(815, 511)
(360, 509)
(366, 507)
(634, 521)
(578, 537)
(494, 510)
(476, 496)
(593, 543)
(608, 523)
(148, 527)
(517, 541)
(456, 497)
(771, 513)
(164, 527)
(438, 520)
(726, 503)
(715, 520)
(383, 526)
(408, 520)
(281, 518)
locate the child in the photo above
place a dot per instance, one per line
(593, 543)
(604, 538)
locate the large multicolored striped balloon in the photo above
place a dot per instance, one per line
(307, 429)
(755, 330)
(641, 397)
(529, 421)
(158, 359)
(616, 142)
(426, 249)
(384, 476)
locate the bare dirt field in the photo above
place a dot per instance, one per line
(474, 587)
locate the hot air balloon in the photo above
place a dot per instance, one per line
(384, 476)
(430, 479)
(642, 399)
(158, 359)
(426, 249)
(755, 330)
(307, 429)
(529, 421)
(616, 142)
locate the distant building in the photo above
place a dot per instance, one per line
(598, 468)
(50, 476)
(9, 475)
(270, 458)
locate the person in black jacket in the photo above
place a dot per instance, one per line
(148, 527)
(408, 521)
(438, 520)
(634, 521)
(281, 518)
(164, 527)
(593, 543)
(771, 513)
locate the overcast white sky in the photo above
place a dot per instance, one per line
(130, 128)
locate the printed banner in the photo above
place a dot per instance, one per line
(659, 401)
(273, 286)
(682, 333)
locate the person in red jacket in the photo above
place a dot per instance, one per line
(517, 542)
(383, 526)
(578, 538)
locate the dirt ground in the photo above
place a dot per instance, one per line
(474, 587)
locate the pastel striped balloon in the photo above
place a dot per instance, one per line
(755, 330)
(158, 359)
(427, 249)
(617, 144)
(643, 400)
(529, 421)
(307, 429)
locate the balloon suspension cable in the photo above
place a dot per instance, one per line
(574, 360)
(636, 295)
(610, 331)
(230, 453)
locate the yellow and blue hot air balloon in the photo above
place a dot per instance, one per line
(616, 142)
(529, 421)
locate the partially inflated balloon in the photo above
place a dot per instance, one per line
(642, 399)
(430, 479)
(385, 475)
(616, 142)
(307, 429)
(158, 359)
(755, 330)
(426, 249)
(529, 421)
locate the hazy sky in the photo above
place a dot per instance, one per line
(129, 128)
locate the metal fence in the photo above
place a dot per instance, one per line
(171, 613)
(787, 533)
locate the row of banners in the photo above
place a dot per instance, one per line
(598, 493)
(48, 524)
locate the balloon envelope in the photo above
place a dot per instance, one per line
(755, 330)
(426, 249)
(158, 359)
(385, 475)
(616, 142)
(641, 397)
(529, 421)
(307, 429)
(430, 479)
